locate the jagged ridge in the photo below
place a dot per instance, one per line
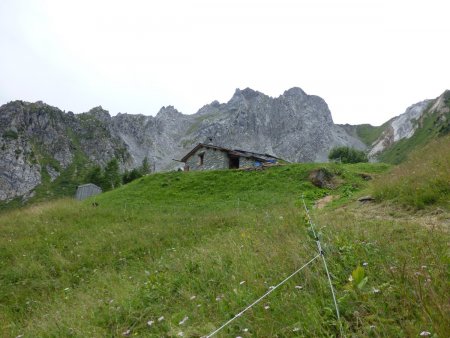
(40, 143)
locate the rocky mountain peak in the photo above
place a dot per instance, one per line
(100, 113)
(169, 111)
(209, 108)
(246, 94)
(295, 92)
(215, 104)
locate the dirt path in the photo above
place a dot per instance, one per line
(320, 204)
(384, 211)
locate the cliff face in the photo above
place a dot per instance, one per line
(42, 142)
(39, 141)
(400, 127)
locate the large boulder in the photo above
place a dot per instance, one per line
(323, 178)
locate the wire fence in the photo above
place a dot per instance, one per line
(319, 254)
(262, 297)
(319, 247)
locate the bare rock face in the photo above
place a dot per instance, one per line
(295, 126)
(18, 174)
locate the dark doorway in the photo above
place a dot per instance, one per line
(234, 162)
(201, 157)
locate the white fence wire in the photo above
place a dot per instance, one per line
(320, 254)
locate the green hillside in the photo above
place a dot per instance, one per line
(365, 132)
(368, 133)
(181, 253)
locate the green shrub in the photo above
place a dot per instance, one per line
(347, 155)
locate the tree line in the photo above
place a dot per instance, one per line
(110, 177)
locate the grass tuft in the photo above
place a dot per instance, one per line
(421, 181)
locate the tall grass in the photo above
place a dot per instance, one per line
(423, 180)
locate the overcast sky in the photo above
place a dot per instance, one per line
(369, 59)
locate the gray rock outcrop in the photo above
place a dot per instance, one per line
(400, 127)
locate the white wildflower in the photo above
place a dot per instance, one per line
(295, 329)
(160, 319)
(192, 298)
(267, 307)
(126, 333)
(242, 282)
(365, 263)
(299, 287)
(245, 330)
(375, 290)
(150, 322)
(181, 334)
(425, 333)
(184, 320)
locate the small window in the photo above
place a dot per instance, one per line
(200, 158)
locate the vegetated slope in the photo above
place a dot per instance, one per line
(427, 120)
(365, 132)
(184, 252)
(422, 180)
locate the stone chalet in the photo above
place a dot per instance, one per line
(211, 157)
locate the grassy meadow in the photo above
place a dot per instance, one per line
(178, 254)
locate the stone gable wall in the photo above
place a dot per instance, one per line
(213, 159)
